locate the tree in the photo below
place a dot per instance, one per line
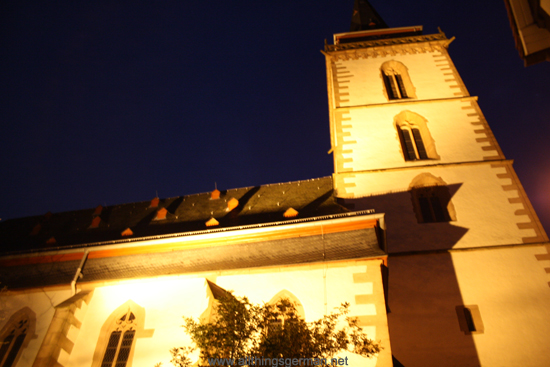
(241, 329)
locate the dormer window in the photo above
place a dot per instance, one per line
(397, 82)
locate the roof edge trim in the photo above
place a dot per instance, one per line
(56, 250)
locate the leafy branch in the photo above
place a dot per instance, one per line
(239, 329)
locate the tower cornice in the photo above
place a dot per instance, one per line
(407, 102)
(391, 46)
(427, 165)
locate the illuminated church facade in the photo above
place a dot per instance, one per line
(424, 228)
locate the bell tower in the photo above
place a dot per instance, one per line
(408, 140)
(402, 120)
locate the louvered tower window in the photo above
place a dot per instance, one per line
(415, 137)
(413, 145)
(395, 86)
(11, 343)
(120, 342)
(432, 203)
(397, 81)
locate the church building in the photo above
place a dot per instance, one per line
(423, 228)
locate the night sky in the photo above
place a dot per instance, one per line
(109, 102)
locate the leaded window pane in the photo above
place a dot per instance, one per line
(14, 350)
(125, 347)
(5, 346)
(112, 347)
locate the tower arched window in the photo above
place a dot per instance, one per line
(120, 342)
(416, 140)
(396, 79)
(432, 203)
(413, 145)
(15, 336)
(431, 199)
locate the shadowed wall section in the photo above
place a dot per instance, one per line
(423, 322)
(423, 288)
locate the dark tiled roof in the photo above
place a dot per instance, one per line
(346, 245)
(260, 204)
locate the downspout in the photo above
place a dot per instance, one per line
(324, 269)
(78, 273)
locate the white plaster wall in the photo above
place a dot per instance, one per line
(313, 287)
(378, 144)
(367, 87)
(42, 303)
(165, 302)
(511, 288)
(167, 299)
(307, 284)
(483, 210)
(424, 328)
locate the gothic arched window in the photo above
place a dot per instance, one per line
(118, 335)
(396, 79)
(432, 203)
(413, 145)
(120, 342)
(285, 295)
(431, 199)
(15, 335)
(416, 140)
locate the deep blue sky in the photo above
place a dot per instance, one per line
(109, 102)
